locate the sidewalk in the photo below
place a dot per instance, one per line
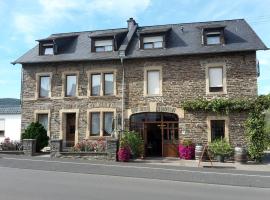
(250, 166)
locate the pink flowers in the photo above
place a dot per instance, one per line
(124, 154)
(186, 152)
(87, 145)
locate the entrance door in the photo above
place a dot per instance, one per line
(154, 139)
(170, 139)
(70, 129)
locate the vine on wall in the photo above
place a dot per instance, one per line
(257, 136)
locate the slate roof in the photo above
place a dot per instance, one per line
(183, 39)
(10, 106)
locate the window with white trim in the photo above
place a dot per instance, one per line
(44, 86)
(213, 38)
(153, 42)
(71, 85)
(95, 123)
(153, 82)
(95, 84)
(103, 45)
(107, 123)
(102, 84)
(2, 127)
(101, 123)
(215, 75)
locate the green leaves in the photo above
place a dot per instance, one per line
(257, 133)
(220, 147)
(36, 131)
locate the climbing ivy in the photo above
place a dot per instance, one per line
(257, 135)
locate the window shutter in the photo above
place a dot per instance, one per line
(2, 124)
(215, 77)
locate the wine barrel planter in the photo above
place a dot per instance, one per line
(240, 155)
(198, 151)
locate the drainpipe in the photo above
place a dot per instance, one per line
(123, 95)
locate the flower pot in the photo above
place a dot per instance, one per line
(220, 158)
(186, 152)
(124, 154)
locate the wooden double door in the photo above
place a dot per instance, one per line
(160, 136)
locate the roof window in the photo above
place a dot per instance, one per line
(153, 42)
(103, 45)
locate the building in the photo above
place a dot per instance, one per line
(10, 119)
(88, 84)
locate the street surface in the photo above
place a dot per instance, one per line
(28, 184)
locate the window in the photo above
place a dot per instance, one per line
(102, 84)
(215, 79)
(153, 82)
(43, 119)
(71, 85)
(213, 38)
(47, 49)
(44, 86)
(2, 127)
(103, 45)
(95, 84)
(107, 123)
(217, 129)
(153, 42)
(95, 123)
(108, 84)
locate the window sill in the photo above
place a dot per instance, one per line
(95, 137)
(43, 98)
(103, 96)
(154, 95)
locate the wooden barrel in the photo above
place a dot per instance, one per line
(240, 155)
(198, 151)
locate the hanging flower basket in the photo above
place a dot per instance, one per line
(186, 150)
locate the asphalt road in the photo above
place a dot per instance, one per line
(28, 184)
(140, 170)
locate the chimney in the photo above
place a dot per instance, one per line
(131, 23)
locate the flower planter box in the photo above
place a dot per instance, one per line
(186, 152)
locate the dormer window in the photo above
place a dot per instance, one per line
(153, 42)
(213, 38)
(46, 49)
(103, 45)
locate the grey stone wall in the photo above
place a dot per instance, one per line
(183, 79)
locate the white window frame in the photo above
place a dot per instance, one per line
(146, 70)
(101, 126)
(103, 44)
(152, 40)
(102, 84)
(213, 34)
(38, 75)
(64, 83)
(224, 79)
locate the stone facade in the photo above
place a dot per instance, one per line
(183, 78)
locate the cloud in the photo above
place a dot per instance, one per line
(50, 13)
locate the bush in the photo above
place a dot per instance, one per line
(134, 141)
(90, 146)
(8, 145)
(220, 147)
(36, 131)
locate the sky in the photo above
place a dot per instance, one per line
(22, 22)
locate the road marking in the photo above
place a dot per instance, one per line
(139, 167)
